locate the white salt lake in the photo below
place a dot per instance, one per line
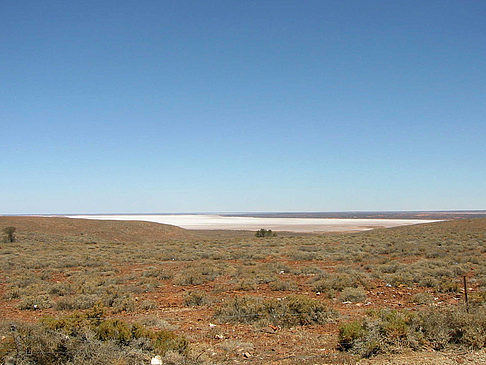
(219, 222)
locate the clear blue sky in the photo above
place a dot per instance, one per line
(194, 106)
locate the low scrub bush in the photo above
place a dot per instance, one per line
(36, 302)
(148, 305)
(196, 276)
(247, 284)
(118, 301)
(291, 311)
(123, 304)
(390, 331)
(86, 338)
(283, 285)
(195, 298)
(423, 298)
(60, 289)
(265, 233)
(76, 302)
(353, 295)
(161, 274)
(338, 281)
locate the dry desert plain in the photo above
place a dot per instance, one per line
(89, 291)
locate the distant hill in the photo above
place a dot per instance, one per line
(90, 230)
(451, 229)
(446, 214)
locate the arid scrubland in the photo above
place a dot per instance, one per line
(104, 292)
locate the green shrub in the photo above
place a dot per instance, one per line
(265, 233)
(123, 304)
(76, 302)
(115, 330)
(448, 286)
(383, 331)
(195, 298)
(283, 285)
(247, 284)
(36, 302)
(244, 309)
(60, 289)
(118, 300)
(148, 305)
(349, 333)
(196, 275)
(390, 330)
(477, 298)
(161, 274)
(423, 298)
(353, 295)
(302, 310)
(291, 311)
(12, 294)
(337, 282)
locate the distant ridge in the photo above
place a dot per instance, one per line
(445, 214)
(399, 214)
(94, 230)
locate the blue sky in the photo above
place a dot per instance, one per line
(197, 106)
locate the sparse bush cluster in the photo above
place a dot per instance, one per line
(351, 283)
(353, 295)
(265, 233)
(197, 275)
(283, 285)
(196, 298)
(295, 310)
(390, 331)
(86, 338)
(438, 274)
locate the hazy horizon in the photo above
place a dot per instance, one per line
(254, 212)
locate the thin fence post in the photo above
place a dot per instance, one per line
(465, 295)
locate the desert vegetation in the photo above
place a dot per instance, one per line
(9, 234)
(262, 232)
(92, 292)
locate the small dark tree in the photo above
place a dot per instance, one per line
(265, 233)
(9, 234)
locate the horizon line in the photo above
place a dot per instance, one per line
(256, 212)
